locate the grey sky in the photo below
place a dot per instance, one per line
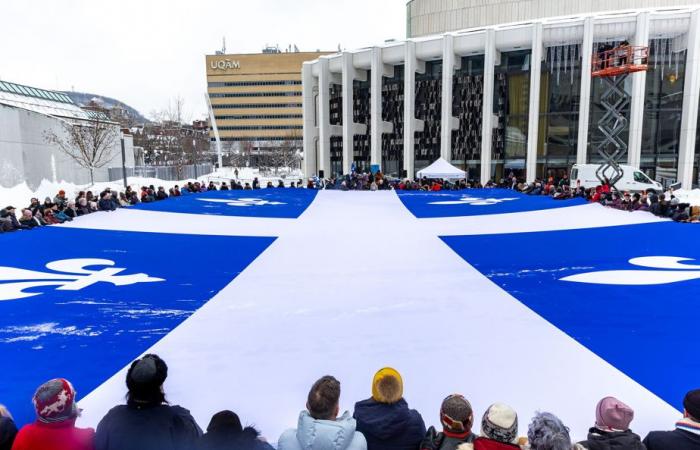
(147, 52)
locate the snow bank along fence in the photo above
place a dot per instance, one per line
(168, 173)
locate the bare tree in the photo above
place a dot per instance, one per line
(286, 154)
(89, 144)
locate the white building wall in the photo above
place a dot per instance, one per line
(426, 17)
(26, 156)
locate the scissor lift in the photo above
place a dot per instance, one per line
(613, 67)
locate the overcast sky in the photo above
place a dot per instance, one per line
(145, 52)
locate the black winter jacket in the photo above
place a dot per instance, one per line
(617, 440)
(676, 440)
(227, 439)
(389, 426)
(161, 427)
(8, 431)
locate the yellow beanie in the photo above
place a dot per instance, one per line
(387, 386)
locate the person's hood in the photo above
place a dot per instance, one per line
(383, 420)
(315, 434)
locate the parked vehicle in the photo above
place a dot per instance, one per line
(632, 179)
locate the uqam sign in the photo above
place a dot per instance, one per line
(224, 64)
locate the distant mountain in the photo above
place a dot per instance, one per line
(84, 98)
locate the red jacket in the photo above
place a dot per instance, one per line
(54, 436)
(482, 443)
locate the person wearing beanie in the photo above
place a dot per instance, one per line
(226, 433)
(54, 428)
(385, 418)
(456, 417)
(612, 427)
(319, 426)
(147, 421)
(686, 435)
(8, 429)
(499, 430)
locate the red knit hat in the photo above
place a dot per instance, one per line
(54, 401)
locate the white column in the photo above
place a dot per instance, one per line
(585, 99)
(410, 124)
(691, 97)
(308, 83)
(487, 105)
(639, 80)
(448, 121)
(533, 123)
(377, 125)
(347, 84)
(324, 123)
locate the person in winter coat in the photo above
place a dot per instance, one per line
(82, 208)
(29, 221)
(8, 430)
(105, 203)
(60, 198)
(70, 210)
(499, 430)
(385, 419)
(147, 421)
(319, 427)
(612, 427)
(686, 435)
(161, 194)
(54, 428)
(226, 433)
(456, 417)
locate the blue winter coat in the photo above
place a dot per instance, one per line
(313, 434)
(389, 427)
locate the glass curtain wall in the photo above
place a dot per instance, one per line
(597, 111)
(560, 93)
(428, 109)
(467, 101)
(336, 118)
(392, 112)
(663, 107)
(510, 106)
(361, 114)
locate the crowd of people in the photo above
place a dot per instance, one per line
(384, 421)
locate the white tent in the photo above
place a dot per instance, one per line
(441, 169)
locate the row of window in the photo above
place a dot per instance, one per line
(216, 84)
(257, 105)
(261, 138)
(260, 127)
(257, 94)
(259, 116)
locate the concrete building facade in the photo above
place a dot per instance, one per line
(27, 116)
(515, 98)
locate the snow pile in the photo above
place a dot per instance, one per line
(688, 196)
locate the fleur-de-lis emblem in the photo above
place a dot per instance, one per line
(474, 201)
(668, 269)
(67, 274)
(241, 201)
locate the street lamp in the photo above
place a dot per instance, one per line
(123, 161)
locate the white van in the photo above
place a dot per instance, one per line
(632, 179)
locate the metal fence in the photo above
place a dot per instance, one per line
(169, 173)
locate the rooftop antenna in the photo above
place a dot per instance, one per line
(223, 48)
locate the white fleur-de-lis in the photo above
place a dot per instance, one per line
(68, 275)
(474, 201)
(668, 269)
(241, 201)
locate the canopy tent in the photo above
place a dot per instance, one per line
(441, 169)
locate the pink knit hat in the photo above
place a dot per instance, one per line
(612, 414)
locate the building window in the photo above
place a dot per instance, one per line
(260, 127)
(255, 94)
(256, 105)
(218, 84)
(663, 108)
(560, 93)
(511, 105)
(467, 100)
(428, 108)
(392, 112)
(258, 116)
